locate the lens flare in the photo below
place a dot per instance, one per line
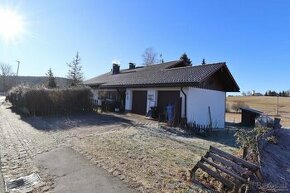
(11, 25)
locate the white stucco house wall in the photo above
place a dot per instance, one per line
(198, 93)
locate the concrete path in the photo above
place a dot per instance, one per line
(76, 174)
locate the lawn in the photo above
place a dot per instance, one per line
(149, 158)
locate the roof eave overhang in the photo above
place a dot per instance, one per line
(193, 84)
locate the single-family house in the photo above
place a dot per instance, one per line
(197, 93)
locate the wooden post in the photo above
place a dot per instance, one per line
(210, 121)
(245, 152)
(259, 175)
(276, 123)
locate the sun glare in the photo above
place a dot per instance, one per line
(11, 25)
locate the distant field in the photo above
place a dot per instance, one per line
(265, 104)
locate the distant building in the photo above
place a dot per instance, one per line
(253, 92)
(258, 94)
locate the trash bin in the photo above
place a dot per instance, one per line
(170, 112)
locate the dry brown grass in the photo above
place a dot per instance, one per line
(148, 160)
(233, 117)
(265, 104)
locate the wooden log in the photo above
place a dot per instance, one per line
(236, 176)
(251, 166)
(237, 168)
(204, 186)
(225, 181)
(245, 152)
(192, 172)
(259, 175)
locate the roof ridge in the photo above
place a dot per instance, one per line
(164, 63)
(200, 65)
(215, 63)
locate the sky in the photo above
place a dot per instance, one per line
(251, 36)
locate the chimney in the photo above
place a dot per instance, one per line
(116, 69)
(132, 66)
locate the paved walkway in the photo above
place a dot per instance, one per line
(76, 174)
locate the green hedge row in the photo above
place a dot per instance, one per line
(42, 101)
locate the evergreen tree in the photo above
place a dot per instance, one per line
(186, 59)
(51, 79)
(75, 71)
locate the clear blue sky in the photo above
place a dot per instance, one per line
(253, 37)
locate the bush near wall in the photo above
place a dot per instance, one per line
(43, 101)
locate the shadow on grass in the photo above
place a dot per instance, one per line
(48, 123)
(225, 136)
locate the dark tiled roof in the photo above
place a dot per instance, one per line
(251, 110)
(165, 74)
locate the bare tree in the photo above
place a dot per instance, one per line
(238, 105)
(5, 70)
(149, 57)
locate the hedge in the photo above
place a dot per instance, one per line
(43, 101)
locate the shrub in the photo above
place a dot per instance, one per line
(228, 108)
(272, 139)
(42, 101)
(240, 104)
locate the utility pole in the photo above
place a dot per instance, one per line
(18, 63)
(277, 109)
